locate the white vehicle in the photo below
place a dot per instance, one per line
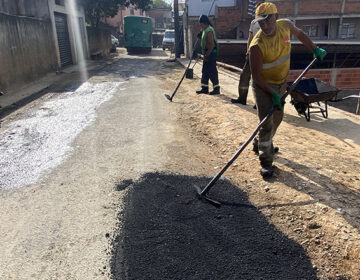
(169, 39)
(114, 43)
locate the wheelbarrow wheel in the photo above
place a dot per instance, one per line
(307, 114)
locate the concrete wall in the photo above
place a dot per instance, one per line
(99, 40)
(79, 17)
(30, 8)
(27, 50)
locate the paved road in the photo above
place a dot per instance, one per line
(62, 157)
(96, 182)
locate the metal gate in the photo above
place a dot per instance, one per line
(63, 39)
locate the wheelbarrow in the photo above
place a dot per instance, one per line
(308, 94)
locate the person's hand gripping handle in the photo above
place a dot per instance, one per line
(276, 101)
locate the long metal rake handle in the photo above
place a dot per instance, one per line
(243, 146)
(171, 97)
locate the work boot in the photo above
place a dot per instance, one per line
(267, 171)
(237, 100)
(215, 91)
(204, 90)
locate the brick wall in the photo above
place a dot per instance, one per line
(319, 7)
(226, 19)
(348, 79)
(341, 78)
(352, 6)
(311, 7)
(285, 7)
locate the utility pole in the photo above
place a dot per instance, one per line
(177, 31)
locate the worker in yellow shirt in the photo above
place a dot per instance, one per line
(270, 64)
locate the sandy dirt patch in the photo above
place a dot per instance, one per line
(314, 198)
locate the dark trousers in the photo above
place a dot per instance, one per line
(264, 140)
(244, 81)
(209, 71)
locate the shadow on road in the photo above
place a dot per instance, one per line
(167, 233)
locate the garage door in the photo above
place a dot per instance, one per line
(63, 39)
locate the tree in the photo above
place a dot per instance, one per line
(95, 10)
(160, 4)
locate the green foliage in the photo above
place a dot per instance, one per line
(160, 4)
(95, 10)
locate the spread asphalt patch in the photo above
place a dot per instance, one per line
(165, 232)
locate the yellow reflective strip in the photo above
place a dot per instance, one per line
(276, 62)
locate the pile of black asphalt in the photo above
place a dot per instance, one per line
(165, 232)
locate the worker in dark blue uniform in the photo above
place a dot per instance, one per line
(209, 48)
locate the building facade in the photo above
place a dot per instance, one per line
(118, 20)
(38, 37)
(331, 24)
(162, 18)
(70, 36)
(202, 7)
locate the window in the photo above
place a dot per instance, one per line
(60, 2)
(348, 31)
(311, 30)
(169, 34)
(132, 11)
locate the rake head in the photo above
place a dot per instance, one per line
(168, 97)
(205, 198)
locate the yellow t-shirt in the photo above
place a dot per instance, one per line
(276, 52)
